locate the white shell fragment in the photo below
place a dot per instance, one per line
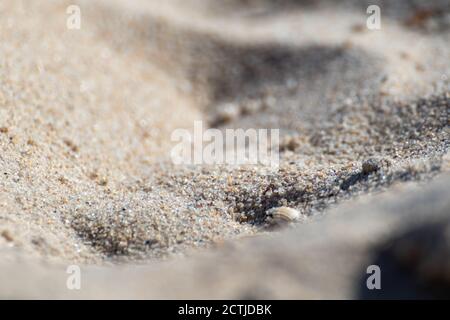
(283, 215)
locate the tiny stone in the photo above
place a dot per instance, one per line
(369, 166)
(7, 235)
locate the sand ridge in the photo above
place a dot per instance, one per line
(86, 117)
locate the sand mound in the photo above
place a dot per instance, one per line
(86, 118)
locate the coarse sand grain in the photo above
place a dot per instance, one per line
(86, 118)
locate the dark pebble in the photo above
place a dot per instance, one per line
(370, 166)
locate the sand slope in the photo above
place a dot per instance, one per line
(86, 117)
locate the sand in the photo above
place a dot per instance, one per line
(86, 118)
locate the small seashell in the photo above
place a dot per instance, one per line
(283, 215)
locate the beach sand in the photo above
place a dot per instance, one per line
(86, 118)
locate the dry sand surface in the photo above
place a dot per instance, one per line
(86, 177)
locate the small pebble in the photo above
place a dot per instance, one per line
(7, 236)
(369, 166)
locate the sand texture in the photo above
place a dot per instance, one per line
(86, 176)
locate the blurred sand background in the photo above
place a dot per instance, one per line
(86, 177)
